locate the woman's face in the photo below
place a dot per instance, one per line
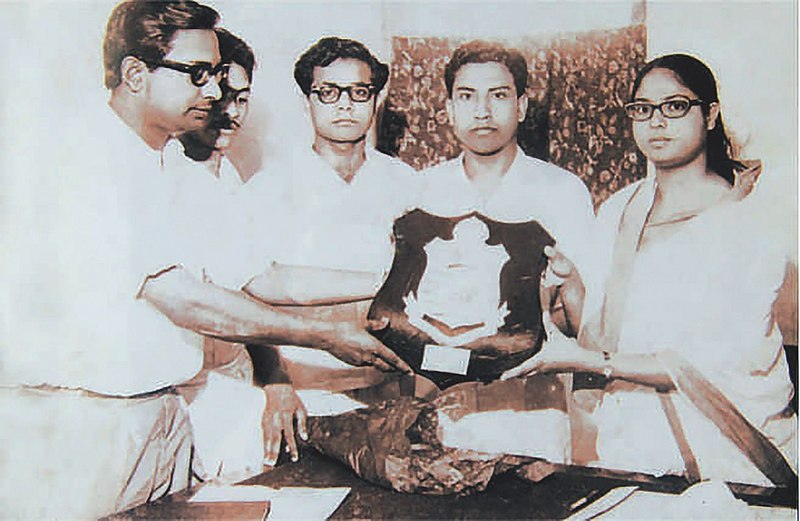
(669, 142)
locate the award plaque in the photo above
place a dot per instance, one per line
(461, 301)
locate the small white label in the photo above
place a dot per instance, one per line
(445, 359)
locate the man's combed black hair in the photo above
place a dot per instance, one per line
(328, 50)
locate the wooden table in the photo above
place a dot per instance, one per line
(507, 497)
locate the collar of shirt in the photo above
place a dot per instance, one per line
(449, 192)
(321, 176)
(128, 140)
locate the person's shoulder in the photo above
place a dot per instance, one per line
(446, 165)
(616, 202)
(391, 165)
(556, 183)
(442, 172)
(550, 173)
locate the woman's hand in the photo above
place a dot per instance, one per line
(562, 292)
(559, 356)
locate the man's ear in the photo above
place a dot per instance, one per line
(449, 108)
(522, 107)
(134, 74)
(713, 113)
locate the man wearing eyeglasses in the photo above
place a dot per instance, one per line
(209, 144)
(336, 198)
(107, 278)
(486, 84)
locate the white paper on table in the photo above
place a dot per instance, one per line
(285, 503)
(705, 500)
(319, 402)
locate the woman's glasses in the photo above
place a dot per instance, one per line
(672, 108)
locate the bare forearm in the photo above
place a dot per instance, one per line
(641, 369)
(230, 315)
(300, 285)
(638, 368)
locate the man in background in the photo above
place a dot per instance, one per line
(336, 198)
(487, 100)
(209, 144)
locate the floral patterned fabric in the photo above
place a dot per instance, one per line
(577, 86)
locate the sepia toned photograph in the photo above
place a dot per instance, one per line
(507, 259)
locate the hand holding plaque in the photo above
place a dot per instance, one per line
(462, 298)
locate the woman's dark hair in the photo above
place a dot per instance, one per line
(697, 77)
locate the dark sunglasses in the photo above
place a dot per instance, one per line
(199, 73)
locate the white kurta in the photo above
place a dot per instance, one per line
(704, 289)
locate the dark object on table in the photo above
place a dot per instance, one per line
(396, 443)
(425, 294)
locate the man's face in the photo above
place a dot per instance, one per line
(174, 103)
(228, 114)
(344, 120)
(484, 108)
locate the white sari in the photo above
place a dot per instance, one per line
(697, 293)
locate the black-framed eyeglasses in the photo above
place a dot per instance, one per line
(199, 73)
(330, 93)
(673, 108)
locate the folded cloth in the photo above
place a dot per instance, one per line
(228, 435)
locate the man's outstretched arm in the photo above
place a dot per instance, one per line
(283, 284)
(231, 315)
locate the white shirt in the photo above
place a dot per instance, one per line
(218, 169)
(317, 219)
(97, 223)
(531, 190)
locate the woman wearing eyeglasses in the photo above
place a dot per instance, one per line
(680, 327)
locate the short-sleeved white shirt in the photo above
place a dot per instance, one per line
(91, 227)
(316, 219)
(531, 190)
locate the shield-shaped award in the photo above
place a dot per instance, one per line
(461, 301)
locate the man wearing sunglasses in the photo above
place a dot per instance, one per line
(107, 309)
(336, 198)
(209, 144)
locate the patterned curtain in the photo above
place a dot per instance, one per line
(577, 86)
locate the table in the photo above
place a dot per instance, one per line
(507, 497)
